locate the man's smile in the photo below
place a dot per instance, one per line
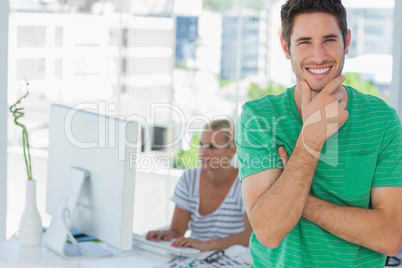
(319, 70)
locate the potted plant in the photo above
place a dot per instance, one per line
(30, 228)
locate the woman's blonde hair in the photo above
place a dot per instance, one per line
(224, 126)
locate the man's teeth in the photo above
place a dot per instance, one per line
(319, 71)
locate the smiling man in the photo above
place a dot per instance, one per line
(338, 200)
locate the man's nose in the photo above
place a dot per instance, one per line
(319, 54)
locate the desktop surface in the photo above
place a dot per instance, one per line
(12, 255)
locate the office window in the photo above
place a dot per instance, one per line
(378, 14)
(58, 69)
(31, 36)
(58, 41)
(31, 69)
(113, 37)
(159, 138)
(373, 29)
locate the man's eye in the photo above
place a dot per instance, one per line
(211, 146)
(330, 40)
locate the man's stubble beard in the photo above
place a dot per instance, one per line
(318, 90)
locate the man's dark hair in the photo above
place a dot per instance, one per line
(292, 8)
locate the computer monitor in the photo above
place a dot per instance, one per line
(104, 147)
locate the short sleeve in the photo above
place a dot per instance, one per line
(181, 196)
(388, 171)
(256, 146)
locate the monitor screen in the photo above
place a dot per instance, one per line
(105, 146)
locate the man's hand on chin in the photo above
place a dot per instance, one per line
(323, 115)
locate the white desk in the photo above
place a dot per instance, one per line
(13, 255)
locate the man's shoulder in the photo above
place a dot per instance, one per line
(370, 108)
(363, 99)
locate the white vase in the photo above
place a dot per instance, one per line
(30, 224)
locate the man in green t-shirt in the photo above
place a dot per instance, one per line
(338, 200)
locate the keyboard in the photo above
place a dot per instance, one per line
(163, 247)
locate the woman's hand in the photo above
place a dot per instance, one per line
(177, 228)
(165, 235)
(193, 243)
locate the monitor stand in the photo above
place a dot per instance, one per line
(56, 235)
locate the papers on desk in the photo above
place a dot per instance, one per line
(224, 261)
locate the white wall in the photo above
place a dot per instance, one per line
(396, 85)
(4, 11)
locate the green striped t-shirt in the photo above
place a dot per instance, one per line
(366, 152)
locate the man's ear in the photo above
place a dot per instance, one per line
(285, 48)
(348, 40)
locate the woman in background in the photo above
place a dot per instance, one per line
(208, 198)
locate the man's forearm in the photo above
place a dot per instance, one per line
(279, 209)
(370, 228)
